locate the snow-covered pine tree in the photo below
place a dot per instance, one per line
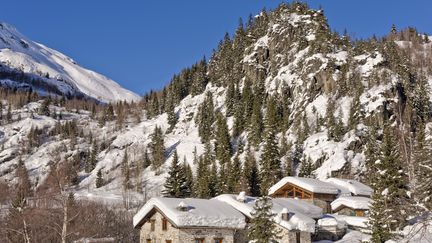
(189, 176)
(271, 171)
(307, 168)
(125, 171)
(388, 211)
(262, 228)
(157, 149)
(202, 183)
(251, 174)
(24, 185)
(172, 116)
(423, 170)
(205, 118)
(223, 148)
(99, 179)
(176, 182)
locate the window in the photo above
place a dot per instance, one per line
(164, 224)
(199, 240)
(152, 225)
(218, 240)
(168, 241)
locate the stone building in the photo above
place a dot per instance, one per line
(175, 220)
(318, 192)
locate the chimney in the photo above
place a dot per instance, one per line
(241, 197)
(182, 206)
(285, 215)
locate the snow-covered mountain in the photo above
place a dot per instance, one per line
(52, 69)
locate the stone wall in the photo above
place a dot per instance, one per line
(294, 236)
(185, 234)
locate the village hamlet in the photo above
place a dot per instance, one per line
(302, 210)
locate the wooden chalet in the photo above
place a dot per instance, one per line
(318, 192)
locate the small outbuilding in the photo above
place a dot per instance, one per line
(352, 206)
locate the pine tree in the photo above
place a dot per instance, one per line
(251, 175)
(125, 172)
(223, 146)
(354, 113)
(390, 190)
(371, 154)
(9, 114)
(330, 119)
(44, 109)
(99, 179)
(176, 182)
(262, 229)
(215, 185)
(423, 171)
(92, 159)
(306, 168)
(271, 171)
(205, 118)
(172, 117)
(189, 177)
(202, 184)
(157, 149)
(234, 175)
(256, 125)
(24, 185)
(230, 99)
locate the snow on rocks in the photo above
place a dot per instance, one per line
(200, 212)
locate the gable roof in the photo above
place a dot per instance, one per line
(361, 203)
(310, 184)
(347, 186)
(199, 213)
(300, 219)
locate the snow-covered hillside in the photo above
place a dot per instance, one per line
(20, 53)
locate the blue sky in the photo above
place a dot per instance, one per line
(142, 43)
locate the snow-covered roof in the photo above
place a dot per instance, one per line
(352, 202)
(299, 206)
(199, 213)
(347, 186)
(310, 184)
(359, 222)
(298, 220)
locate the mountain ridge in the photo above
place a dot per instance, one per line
(20, 53)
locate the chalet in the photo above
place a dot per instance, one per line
(351, 206)
(294, 218)
(350, 187)
(318, 192)
(175, 220)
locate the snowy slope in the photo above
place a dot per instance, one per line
(19, 52)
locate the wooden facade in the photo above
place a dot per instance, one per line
(321, 200)
(344, 210)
